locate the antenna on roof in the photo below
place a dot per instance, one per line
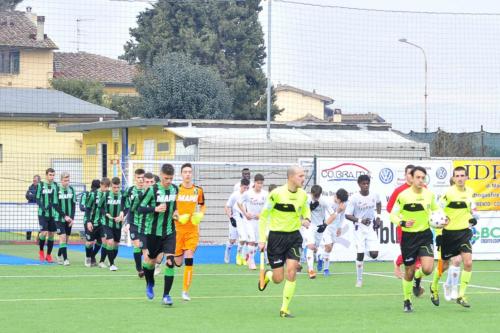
(79, 31)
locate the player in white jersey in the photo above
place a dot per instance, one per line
(251, 203)
(236, 226)
(334, 227)
(312, 235)
(245, 174)
(364, 210)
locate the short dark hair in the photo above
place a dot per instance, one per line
(115, 181)
(409, 167)
(342, 195)
(49, 170)
(363, 178)
(316, 190)
(418, 168)
(149, 175)
(245, 169)
(105, 181)
(258, 178)
(96, 183)
(244, 182)
(186, 165)
(460, 168)
(157, 179)
(139, 171)
(167, 169)
(272, 187)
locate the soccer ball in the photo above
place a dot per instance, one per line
(438, 219)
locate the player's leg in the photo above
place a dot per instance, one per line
(50, 239)
(437, 276)
(294, 241)
(360, 241)
(168, 244)
(117, 233)
(134, 236)
(409, 251)
(232, 238)
(42, 236)
(151, 252)
(465, 248)
(191, 243)
(110, 245)
(251, 241)
(326, 258)
(104, 248)
(454, 276)
(67, 228)
(242, 238)
(61, 232)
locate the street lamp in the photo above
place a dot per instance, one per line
(404, 40)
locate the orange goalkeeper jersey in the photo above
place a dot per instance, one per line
(187, 200)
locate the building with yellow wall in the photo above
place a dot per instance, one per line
(297, 103)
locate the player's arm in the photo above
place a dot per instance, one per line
(305, 213)
(88, 206)
(145, 206)
(395, 215)
(242, 205)
(392, 201)
(38, 196)
(349, 212)
(73, 203)
(125, 209)
(201, 200)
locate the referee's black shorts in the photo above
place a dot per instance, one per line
(454, 242)
(416, 244)
(282, 246)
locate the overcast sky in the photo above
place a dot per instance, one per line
(350, 55)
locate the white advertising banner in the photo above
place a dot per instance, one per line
(333, 174)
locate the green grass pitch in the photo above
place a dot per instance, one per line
(52, 298)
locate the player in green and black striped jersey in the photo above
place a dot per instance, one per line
(133, 195)
(113, 213)
(158, 205)
(88, 202)
(64, 216)
(46, 198)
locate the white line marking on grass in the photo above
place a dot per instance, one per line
(470, 285)
(78, 299)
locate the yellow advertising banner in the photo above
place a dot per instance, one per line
(484, 180)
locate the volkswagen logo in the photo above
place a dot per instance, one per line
(386, 175)
(441, 173)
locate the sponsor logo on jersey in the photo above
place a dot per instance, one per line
(187, 198)
(166, 197)
(63, 196)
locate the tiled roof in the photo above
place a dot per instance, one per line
(18, 30)
(93, 67)
(285, 87)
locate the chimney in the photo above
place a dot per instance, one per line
(337, 116)
(29, 14)
(40, 22)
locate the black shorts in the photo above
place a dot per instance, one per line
(158, 244)
(63, 228)
(454, 242)
(416, 244)
(282, 246)
(112, 233)
(47, 224)
(136, 235)
(93, 235)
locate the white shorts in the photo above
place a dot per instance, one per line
(310, 236)
(252, 230)
(329, 235)
(241, 227)
(233, 232)
(366, 239)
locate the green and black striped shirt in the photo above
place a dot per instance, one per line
(113, 204)
(46, 198)
(66, 203)
(93, 206)
(159, 224)
(133, 199)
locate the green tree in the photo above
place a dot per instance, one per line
(126, 106)
(9, 4)
(176, 88)
(225, 35)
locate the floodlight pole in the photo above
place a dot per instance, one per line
(404, 40)
(268, 132)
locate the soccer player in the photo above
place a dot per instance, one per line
(459, 207)
(394, 195)
(251, 203)
(98, 221)
(286, 209)
(65, 215)
(312, 236)
(397, 266)
(364, 210)
(245, 174)
(159, 206)
(133, 196)
(334, 225)
(89, 202)
(113, 213)
(46, 198)
(412, 212)
(190, 199)
(237, 219)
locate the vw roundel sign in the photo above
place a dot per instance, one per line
(386, 175)
(441, 173)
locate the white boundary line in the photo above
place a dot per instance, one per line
(470, 285)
